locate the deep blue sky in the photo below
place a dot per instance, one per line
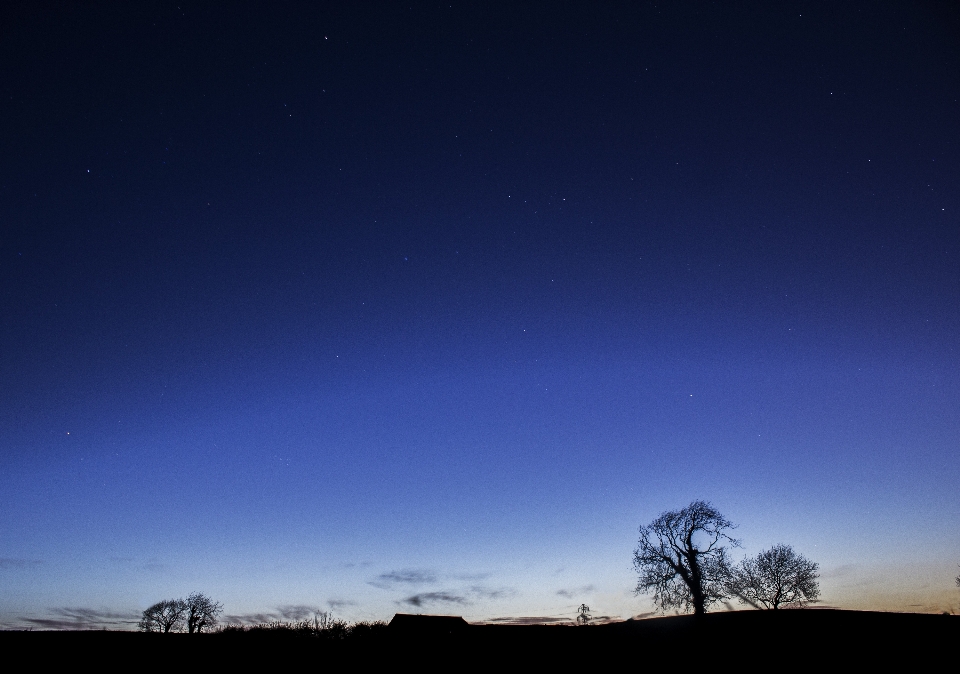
(428, 307)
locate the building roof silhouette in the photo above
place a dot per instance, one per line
(427, 624)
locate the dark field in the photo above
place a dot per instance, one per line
(807, 639)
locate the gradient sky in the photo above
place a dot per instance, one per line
(427, 308)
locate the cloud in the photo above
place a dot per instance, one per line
(529, 620)
(336, 604)
(286, 613)
(80, 618)
(433, 598)
(404, 576)
(57, 624)
(604, 619)
(839, 571)
(251, 618)
(472, 576)
(647, 614)
(493, 593)
(576, 591)
(17, 563)
(415, 577)
(297, 612)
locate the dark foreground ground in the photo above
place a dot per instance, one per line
(785, 640)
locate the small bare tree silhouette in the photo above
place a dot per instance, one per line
(776, 578)
(583, 614)
(202, 612)
(164, 616)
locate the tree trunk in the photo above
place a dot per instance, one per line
(696, 581)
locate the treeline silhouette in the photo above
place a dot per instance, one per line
(322, 627)
(682, 558)
(824, 638)
(198, 613)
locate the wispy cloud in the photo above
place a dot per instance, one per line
(286, 613)
(493, 593)
(18, 563)
(80, 618)
(297, 612)
(404, 577)
(251, 618)
(839, 571)
(418, 577)
(472, 576)
(337, 604)
(528, 620)
(441, 597)
(646, 614)
(574, 592)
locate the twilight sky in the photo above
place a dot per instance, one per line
(426, 308)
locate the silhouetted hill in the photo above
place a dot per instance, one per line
(786, 639)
